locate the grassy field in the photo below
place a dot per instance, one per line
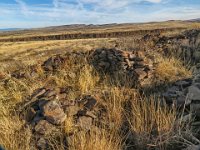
(32, 52)
(150, 125)
(63, 30)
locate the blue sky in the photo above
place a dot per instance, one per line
(40, 13)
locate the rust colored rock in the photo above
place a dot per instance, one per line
(68, 103)
(2, 76)
(53, 113)
(141, 73)
(43, 127)
(19, 74)
(46, 114)
(53, 63)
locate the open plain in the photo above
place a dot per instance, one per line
(101, 87)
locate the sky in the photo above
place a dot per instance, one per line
(41, 13)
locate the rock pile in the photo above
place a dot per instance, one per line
(54, 63)
(28, 73)
(186, 92)
(19, 74)
(49, 108)
(186, 45)
(58, 61)
(178, 93)
(134, 65)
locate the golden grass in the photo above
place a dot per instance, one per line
(69, 125)
(171, 69)
(13, 134)
(144, 115)
(34, 52)
(87, 80)
(37, 46)
(98, 139)
(150, 121)
(114, 100)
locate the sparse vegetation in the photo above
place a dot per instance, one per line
(172, 69)
(132, 119)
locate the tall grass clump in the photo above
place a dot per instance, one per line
(171, 69)
(13, 134)
(151, 123)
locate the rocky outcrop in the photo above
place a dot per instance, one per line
(54, 63)
(186, 93)
(49, 108)
(185, 96)
(192, 147)
(112, 34)
(51, 65)
(177, 93)
(44, 114)
(53, 113)
(19, 74)
(134, 65)
(185, 45)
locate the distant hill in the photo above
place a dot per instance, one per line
(63, 27)
(88, 26)
(11, 29)
(85, 31)
(77, 26)
(195, 20)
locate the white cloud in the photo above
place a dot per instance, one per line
(116, 1)
(104, 11)
(23, 6)
(112, 4)
(180, 13)
(154, 1)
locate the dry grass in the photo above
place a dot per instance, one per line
(39, 46)
(149, 121)
(87, 80)
(13, 134)
(69, 125)
(171, 69)
(144, 116)
(96, 139)
(29, 53)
